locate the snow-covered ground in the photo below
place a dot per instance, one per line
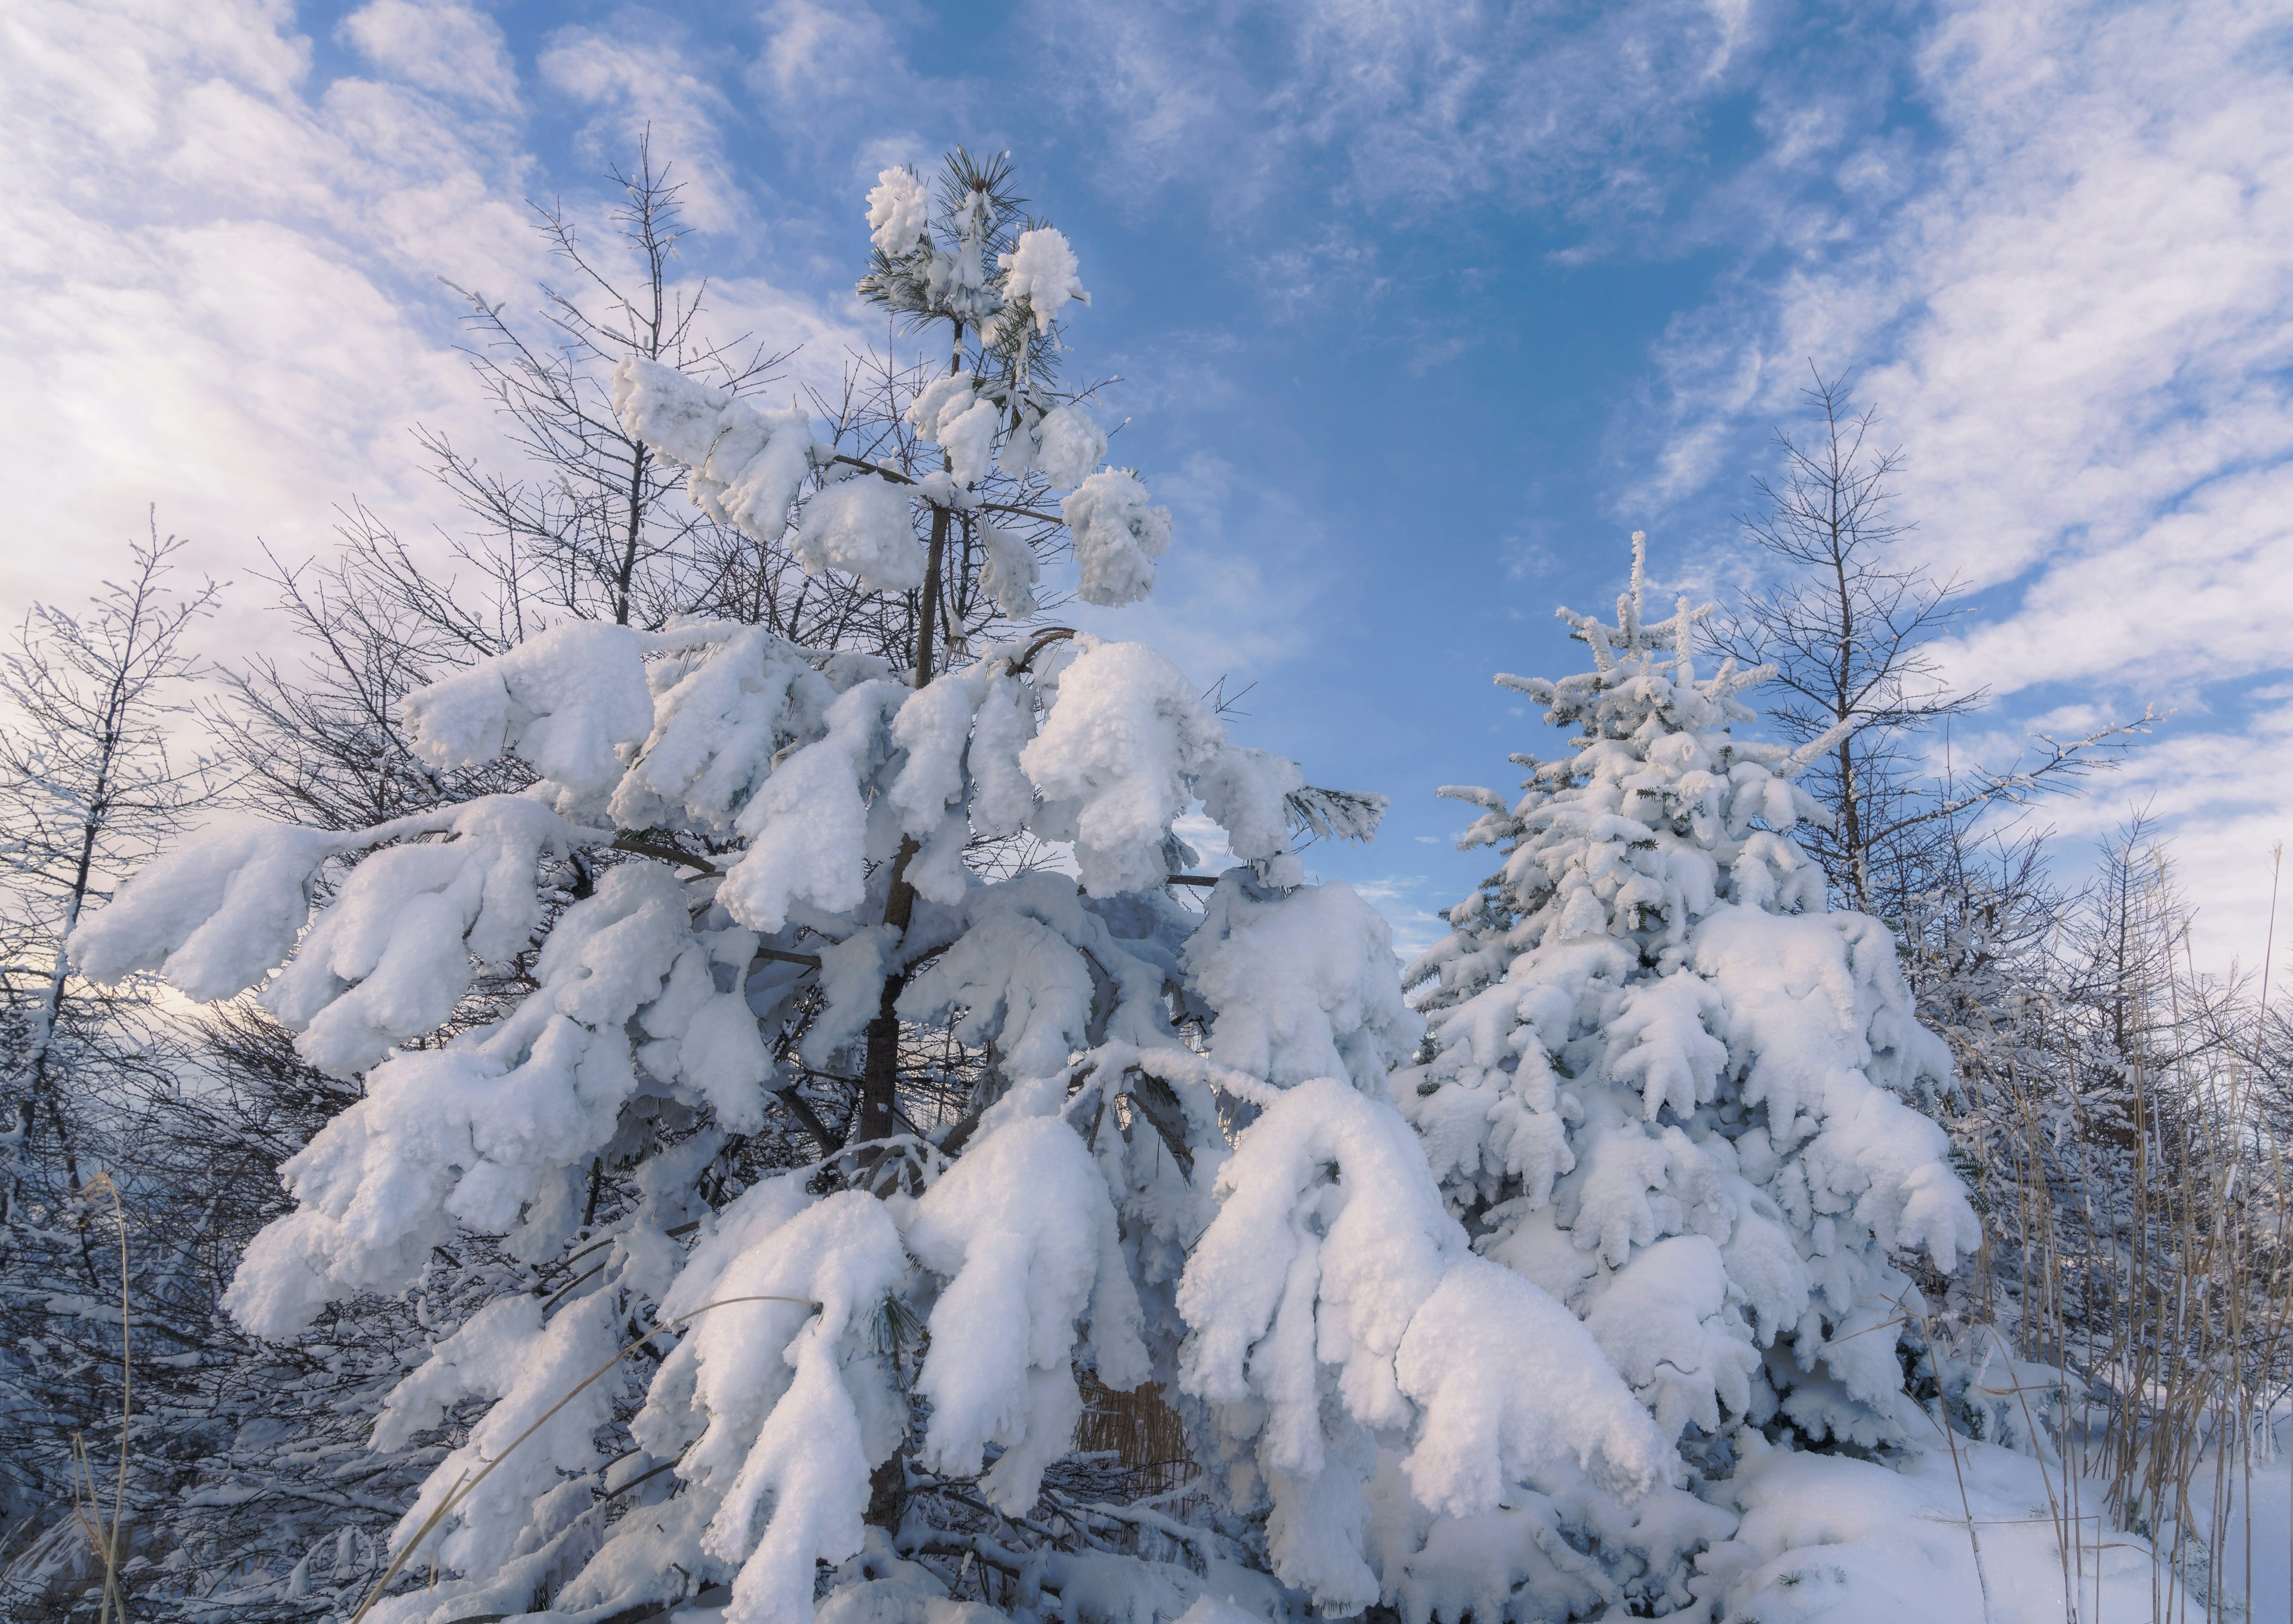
(2271, 1520)
(1980, 1537)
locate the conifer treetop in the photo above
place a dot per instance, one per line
(1666, 1081)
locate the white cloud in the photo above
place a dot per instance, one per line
(639, 82)
(223, 288)
(816, 53)
(448, 49)
(2077, 312)
(1419, 103)
(2223, 798)
(219, 287)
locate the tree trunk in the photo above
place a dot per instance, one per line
(880, 1076)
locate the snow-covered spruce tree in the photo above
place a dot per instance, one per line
(1165, 1152)
(1665, 1081)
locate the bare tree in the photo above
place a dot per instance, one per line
(92, 784)
(90, 788)
(1849, 625)
(583, 527)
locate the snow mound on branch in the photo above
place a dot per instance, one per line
(1871, 1154)
(1066, 447)
(1002, 797)
(565, 701)
(1304, 985)
(787, 1409)
(943, 397)
(1021, 974)
(753, 475)
(473, 1134)
(861, 527)
(677, 416)
(1330, 1307)
(808, 826)
(899, 212)
(1022, 1229)
(504, 1352)
(1666, 1323)
(1126, 736)
(744, 467)
(1246, 792)
(1117, 536)
(1010, 572)
(387, 960)
(212, 918)
(949, 412)
(720, 715)
(933, 727)
(969, 439)
(390, 957)
(1040, 271)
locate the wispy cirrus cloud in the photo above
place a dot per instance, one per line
(223, 270)
(452, 51)
(1400, 107)
(217, 278)
(2074, 302)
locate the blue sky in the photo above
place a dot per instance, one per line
(1420, 309)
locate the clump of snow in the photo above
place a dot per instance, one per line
(390, 957)
(753, 475)
(1068, 446)
(1126, 736)
(1305, 984)
(1040, 273)
(808, 826)
(677, 416)
(471, 1133)
(933, 727)
(566, 701)
(1002, 796)
(1042, 977)
(212, 918)
(899, 212)
(507, 1352)
(1117, 536)
(1334, 1298)
(794, 1402)
(962, 423)
(744, 468)
(969, 439)
(945, 397)
(861, 527)
(1023, 1232)
(1010, 572)
(720, 716)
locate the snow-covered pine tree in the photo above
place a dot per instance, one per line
(1168, 1153)
(1665, 1081)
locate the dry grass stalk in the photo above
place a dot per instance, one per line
(2147, 1213)
(1142, 1430)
